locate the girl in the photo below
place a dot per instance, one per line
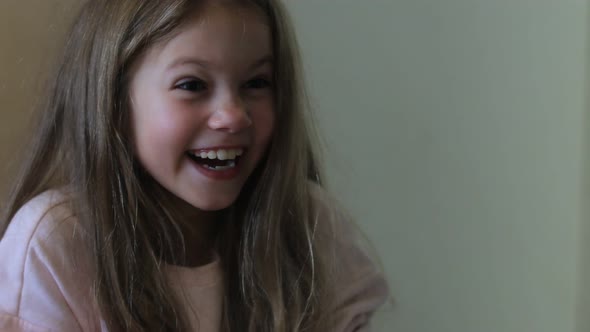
(172, 184)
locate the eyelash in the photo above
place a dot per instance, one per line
(194, 85)
(265, 83)
(197, 85)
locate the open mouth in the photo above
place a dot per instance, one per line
(217, 160)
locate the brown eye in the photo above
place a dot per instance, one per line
(192, 86)
(258, 83)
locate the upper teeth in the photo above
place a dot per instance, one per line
(220, 154)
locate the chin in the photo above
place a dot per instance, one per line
(212, 205)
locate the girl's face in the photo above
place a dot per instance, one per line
(202, 105)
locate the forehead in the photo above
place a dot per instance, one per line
(217, 31)
(212, 8)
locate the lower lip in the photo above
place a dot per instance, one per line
(227, 174)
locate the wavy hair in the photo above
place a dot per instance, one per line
(276, 274)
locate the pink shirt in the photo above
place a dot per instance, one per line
(46, 280)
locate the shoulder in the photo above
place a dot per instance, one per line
(39, 217)
(334, 224)
(43, 265)
(44, 223)
(360, 286)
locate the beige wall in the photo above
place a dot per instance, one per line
(31, 31)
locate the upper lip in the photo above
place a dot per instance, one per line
(220, 147)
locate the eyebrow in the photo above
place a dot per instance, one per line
(268, 59)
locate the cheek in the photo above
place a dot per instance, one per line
(264, 120)
(161, 129)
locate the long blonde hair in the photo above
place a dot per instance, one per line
(276, 276)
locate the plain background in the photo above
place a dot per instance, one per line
(455, 132)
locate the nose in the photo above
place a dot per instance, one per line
(231, 115)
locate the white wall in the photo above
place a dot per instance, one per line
(455, 131)
(583, 312)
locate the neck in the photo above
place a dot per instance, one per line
(199, 230)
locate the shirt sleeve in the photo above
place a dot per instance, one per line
(362, 289)
(42, 287)
(361, 286)
(10, 323)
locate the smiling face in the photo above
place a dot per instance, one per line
(202, 105)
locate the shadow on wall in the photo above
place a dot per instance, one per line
(30, 40)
